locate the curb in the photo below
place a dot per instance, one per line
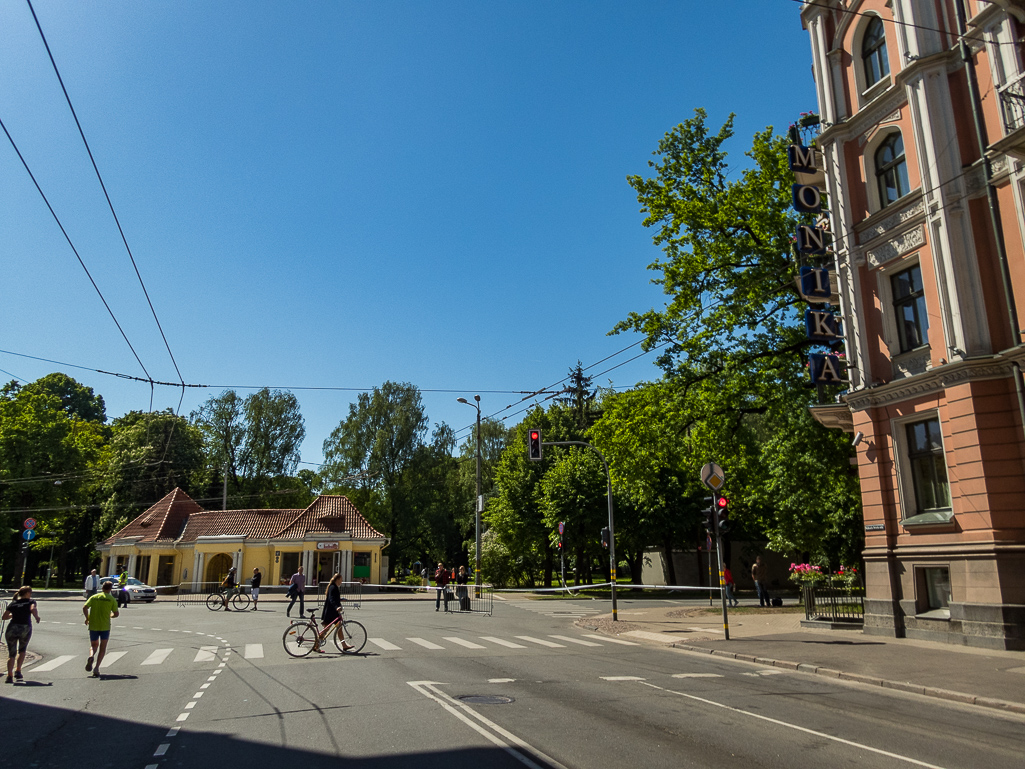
(802, 667)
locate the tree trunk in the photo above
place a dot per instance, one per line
(667, 554)
(62, 562)
(548, 566)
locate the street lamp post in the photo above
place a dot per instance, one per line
(477, 501)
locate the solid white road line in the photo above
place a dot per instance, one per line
(574, 640)
(610, 640)
(502, 642)
(795, 727)
(254, 651)
(388, 646)
(425, 644)
(206, 654)
(53, 664)
(461, 642)
(541, 642)
(696, 675)
(621, 678)
(157, 657)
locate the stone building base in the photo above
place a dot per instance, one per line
(987, 626)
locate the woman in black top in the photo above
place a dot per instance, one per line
(20, 612)
(332, 604)
(462, 578)
(255, 584)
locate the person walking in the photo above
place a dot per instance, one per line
(727, 576)
(297, 589)
(228, 587)
(759, 574)
(98, 611)
(20, 612)
(462, 579)
(92, 584)
(441, 579)
(122, 588)
(332, 611)
(254, 584)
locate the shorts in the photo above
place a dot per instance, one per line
(255, 592)
(99, 635)
(17, 639)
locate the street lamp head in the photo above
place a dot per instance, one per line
(476, 398)
(463, 400)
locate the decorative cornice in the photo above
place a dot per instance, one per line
(911, 363)
(879, 224)
(932, 381)
(897, 246)
(836, 416)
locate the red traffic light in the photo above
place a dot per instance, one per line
(722, 502)
(534, 435)
(534, 445)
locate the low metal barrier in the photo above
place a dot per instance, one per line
(469, 599)
(352, 593)
(827, 603)
(188, 594)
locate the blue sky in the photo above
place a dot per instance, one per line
(335, 194)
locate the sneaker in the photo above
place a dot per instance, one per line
(88, 664)
(18, 676)
(10, 680)
(96, 673)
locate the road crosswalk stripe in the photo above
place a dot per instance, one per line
(502, 642)
(541, 641)
(611, 640)
(205, 654)
(53, 664)
(388, 646)
(254, 651)
(574, 640)
(111, 657)
(425, 644)
(461, 642)
(157, 657)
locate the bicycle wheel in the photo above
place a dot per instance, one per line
(214, 601)
(299, 638)
(353, 633)
(240, 601)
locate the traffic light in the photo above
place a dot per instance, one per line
(534, 445)
(709, 514)
(605, 537)
(722, 511)
(558, 544)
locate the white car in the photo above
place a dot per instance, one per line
(137, 589)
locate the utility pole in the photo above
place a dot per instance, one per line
(479, 501)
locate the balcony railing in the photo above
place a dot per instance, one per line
(1012, 104)
(826, 603)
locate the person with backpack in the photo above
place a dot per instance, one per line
(20, 612)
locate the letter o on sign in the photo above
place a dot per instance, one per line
(807, 199)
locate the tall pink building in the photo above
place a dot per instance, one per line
(922, 140)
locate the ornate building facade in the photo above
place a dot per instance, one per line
(922, 142)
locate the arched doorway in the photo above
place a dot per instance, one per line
(217, 568)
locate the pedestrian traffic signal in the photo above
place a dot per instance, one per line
(559, 544)
(722, 508)
(534, 445)
(606, 537)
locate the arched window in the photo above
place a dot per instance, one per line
(891, 170)
(873, 53)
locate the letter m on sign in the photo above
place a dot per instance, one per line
(801, 158)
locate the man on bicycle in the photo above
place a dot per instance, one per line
(228, 587)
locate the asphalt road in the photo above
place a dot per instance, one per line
(193, 688)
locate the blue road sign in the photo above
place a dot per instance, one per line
(28, 535)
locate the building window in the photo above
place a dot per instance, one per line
(937, 588)
(891, 170)
(928, 466)
(909, 308)
(873, 53)
(289, 566)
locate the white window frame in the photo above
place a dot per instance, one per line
(867, 93)
(868, 158)
(905, 483)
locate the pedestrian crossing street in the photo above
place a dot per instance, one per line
(494, 642)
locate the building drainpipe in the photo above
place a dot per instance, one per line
(994, 211)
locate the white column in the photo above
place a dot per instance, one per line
(131, 566)
(195, 569)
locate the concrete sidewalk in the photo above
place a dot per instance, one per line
(776, 638)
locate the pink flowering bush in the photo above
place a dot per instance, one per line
(847, 577)
(806, 574)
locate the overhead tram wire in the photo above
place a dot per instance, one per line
(77, 255)
(110, 204)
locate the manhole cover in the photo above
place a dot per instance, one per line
(484, 699)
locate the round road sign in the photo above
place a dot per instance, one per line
(712, 476)
(28, 535)
(30, 523)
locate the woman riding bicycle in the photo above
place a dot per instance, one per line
(332, 606)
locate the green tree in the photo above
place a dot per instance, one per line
(150, 454)
(731, 334)
(368, 452)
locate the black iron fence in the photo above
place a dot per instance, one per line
(833, 603)
(1012, 99)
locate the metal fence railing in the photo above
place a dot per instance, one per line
(826, 603)
(187, 594)
(1012, 99)
(352, 593)
(471, 599)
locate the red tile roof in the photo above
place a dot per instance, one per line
(176, 516)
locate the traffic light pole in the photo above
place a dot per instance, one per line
(612, 530)
(722, 575)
